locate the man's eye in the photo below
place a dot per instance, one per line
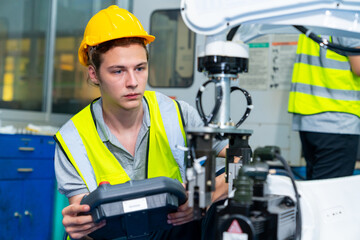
(118, 72)
(140, 69)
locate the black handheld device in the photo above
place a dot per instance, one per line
(136, 208)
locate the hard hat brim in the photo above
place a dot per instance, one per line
(82, 52)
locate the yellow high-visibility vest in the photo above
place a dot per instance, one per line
(93, 161)
(322, 81)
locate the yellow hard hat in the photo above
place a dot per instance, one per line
(108, 24)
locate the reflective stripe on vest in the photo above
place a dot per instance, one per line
(74, 148)
(330, 88)
(83, 146)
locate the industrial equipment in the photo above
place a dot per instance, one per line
(251, 213)
(228, 25)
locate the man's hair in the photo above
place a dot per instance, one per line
(95, 52)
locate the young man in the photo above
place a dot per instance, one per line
(126, 134)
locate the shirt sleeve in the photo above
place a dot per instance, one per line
(347, 42)
(68, 180)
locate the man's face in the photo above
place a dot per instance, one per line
(122, 76)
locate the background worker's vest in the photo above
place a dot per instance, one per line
(94, 162)
(322, 81)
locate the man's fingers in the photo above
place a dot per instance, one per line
(180, 214)
(75, 209)
(80, 231)
(77, 220)
(183, 215)
(181, 220)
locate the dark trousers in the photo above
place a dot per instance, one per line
(329, 155)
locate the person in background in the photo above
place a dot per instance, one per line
(325, 102)
(126, 134)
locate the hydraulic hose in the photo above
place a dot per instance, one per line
(297, 196)
(345, 51)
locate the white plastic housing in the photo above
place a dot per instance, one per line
(211, 17)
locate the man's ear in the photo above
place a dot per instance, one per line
(92, 75)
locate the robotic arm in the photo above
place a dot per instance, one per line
(324, 16)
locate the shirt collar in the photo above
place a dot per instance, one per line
(104, 131)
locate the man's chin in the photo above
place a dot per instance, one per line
(132, 106)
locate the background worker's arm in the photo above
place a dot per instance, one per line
(78, 227)
(355, 64)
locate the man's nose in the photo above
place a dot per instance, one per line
(131, 80)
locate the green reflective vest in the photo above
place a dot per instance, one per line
(93, 161)
(322, 81)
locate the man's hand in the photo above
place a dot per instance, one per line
(221, 186)
(76, 225)
(183, 215)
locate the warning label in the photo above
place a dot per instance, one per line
(235, 232)
(235, 227)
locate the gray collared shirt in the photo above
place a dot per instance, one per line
(71, 184)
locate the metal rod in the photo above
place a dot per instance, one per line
(49, 61)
